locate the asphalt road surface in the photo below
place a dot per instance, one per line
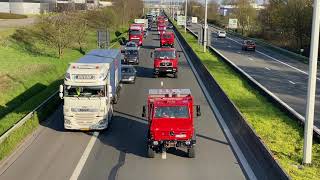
(120, 152)
(287, 78)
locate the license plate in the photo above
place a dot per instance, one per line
(180, 135)
(84, 76)
(169, 70)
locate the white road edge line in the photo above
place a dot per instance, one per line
(303, 72)
(267, 68)
(292, 82)
(84, 157)
(226, 130)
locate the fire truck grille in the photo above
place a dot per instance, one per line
(166, 64)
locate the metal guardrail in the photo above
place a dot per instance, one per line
(261, 159)
(26, 117)
(284, 106)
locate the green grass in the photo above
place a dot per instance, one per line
(27, 79)
(282, 135)
(12, 16)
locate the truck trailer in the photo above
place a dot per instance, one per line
(91, 87)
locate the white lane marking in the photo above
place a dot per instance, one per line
(84, 157)
(161, 83)
(225, 128)
(250, 59)
(303, 72)
(292, 82)
(164, 155)
(267, 68)
(239, 52)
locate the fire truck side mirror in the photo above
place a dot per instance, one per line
(144, 111)
(198, 110)
(61, 91)
(151, 54)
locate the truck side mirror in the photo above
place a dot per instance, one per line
(198, 110)
(151, 54)
(61, 91)
(144, 111)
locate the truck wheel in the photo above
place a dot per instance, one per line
(175, 75)
(151, 153)
(191, 152)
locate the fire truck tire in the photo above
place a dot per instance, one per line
(175, 75)
(191, 152)
(151, 152)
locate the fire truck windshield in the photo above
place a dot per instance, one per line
(171, 112)
(135, 32)
(162, 54)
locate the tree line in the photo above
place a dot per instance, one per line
(70, 28)
(285, 23)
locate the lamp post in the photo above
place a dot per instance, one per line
(308, 127)
(205, 27)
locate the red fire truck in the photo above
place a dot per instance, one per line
(165, 61)
(170, 115)
(136, 34)
(167, 39)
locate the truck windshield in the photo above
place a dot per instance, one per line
(163, 54)
(91, 91)
(167, 36)
(135, 32)
(171, 112)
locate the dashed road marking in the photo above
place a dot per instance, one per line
(267, 68)
(292, 82)
(251, 59)
(84, 157)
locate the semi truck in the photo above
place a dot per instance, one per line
(91, 87)
(165, 61)
(170, 114)
(136, 34)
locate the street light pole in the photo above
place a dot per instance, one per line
(308, 127)
(205, 27)
(186, 15)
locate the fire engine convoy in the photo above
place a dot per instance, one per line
(170, 114)
(91, 87)
(92, 84)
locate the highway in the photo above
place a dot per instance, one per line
(285, 77)
(120, 151)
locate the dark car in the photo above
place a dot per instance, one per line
(248, 45)
(128, 73)
(131, 55)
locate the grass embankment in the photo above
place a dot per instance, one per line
(27, 79)
(12, 16)
(282, 135)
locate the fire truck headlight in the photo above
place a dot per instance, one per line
(155, 143)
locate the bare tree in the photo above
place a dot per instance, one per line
(56, 31)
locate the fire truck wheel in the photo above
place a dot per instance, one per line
(191, 152)
(175, 75)
(150, 152)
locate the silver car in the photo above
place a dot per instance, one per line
(128, 73)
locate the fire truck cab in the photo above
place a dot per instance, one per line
(136, 34)
(167, 39)
(170, 114)
(165, 61)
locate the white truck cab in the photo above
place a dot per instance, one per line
(90, 89)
